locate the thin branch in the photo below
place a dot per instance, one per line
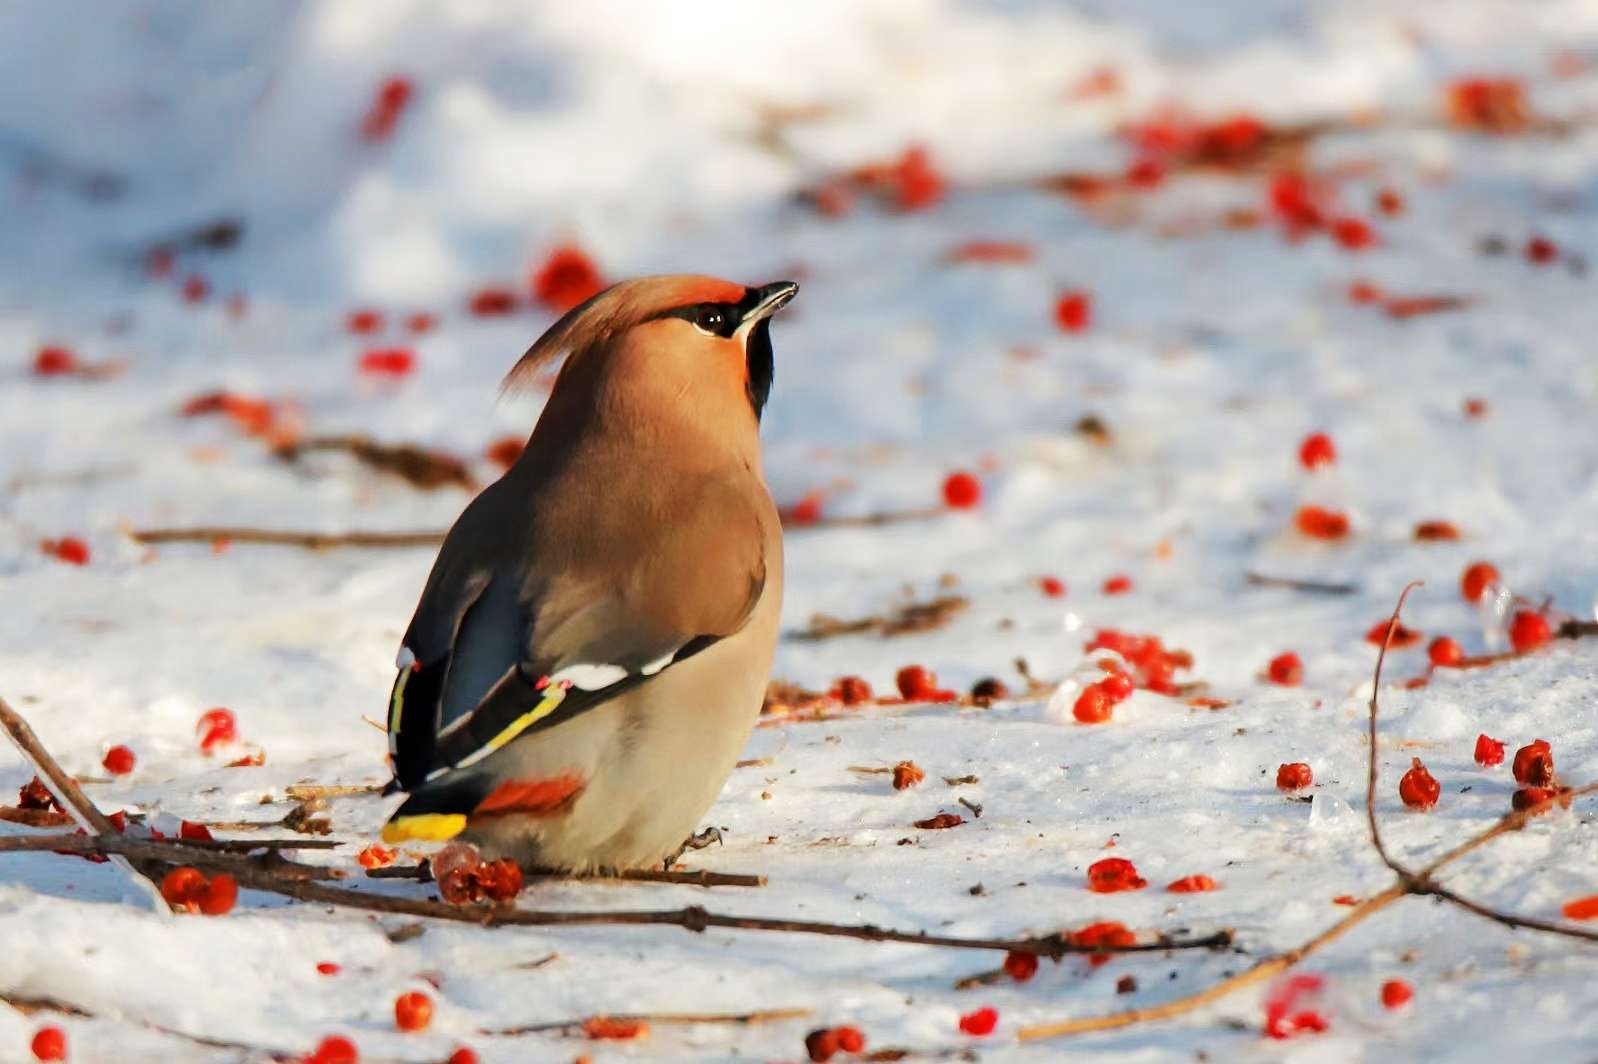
(304, 792)
(110, 844)
(696, 878)
(287, 538)
(873, 520)
(63, 786)
(167, 853)
(740, 1019)
(421, 467)
(1370, 776)
(1318, 587)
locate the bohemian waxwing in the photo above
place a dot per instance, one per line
(592, 646)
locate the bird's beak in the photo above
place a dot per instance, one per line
(766, 301)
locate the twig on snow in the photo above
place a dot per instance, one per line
(1318, 587)
(286, 538)
(662, 1019)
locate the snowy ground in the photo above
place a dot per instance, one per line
(1211, 353)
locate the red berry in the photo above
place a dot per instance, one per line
(807, 511)
(1528, 631)
(1105, 933)
(413, 1011)
(327, 968)
(216, 727)
(375, 856)
(852, 690)
(1192, 885)
(1052, 586)
(907, 774)
(362, 322)
(1093, 705)
(1145, 173)
(962, 491)
(1317, 522)
(119, 760)
(1286, 670)
(421, 322)
(1540, 251)
(566, 278)
(1401, 637)
(1293, 776)
(915, 181)
(1478, 579)
(1489, 752)
(981, 1022)
(54, 361)
(915, 681)
(463, 1055)
(388, 362)
(822, 1044)
(1117, 686)
(1389, 202)
(335, 1049)
(387, 106)
(1445, 653)
(1396, 993)
(1020, 966)
(1534, 764)
(1073, 312)
(1353, 234)
(492, 302)
(1475, 408)
(1118, 584)
(195, 289)
(49, 1043)
(220, 895)
(1434, 531)
(1418, 788)
(1364, 292)
(71, 550)
(182, 888)
(1317, 450)
(850, 1039)
(1114, 874)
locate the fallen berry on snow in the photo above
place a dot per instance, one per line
(195, 289)
(1119, 584)
(1477, 580)
(1445, 652)
(221, 893)
(1317, 450)
(334, 1049)
(35, 795)
(1073, 311)
(1534, 764)
(1419, 789)
(182, 888)
(1475, 407)
(69, 549)
(1105, 933)
(492, 302)
(327, 968)
(1289, 1008)
(1192, 885)
(49, 1043)
(1528, 631)
(463, 1055)
(1293, 776)
(421, 322)
(916, 681)
(392, 97)
(1434, 531)
(1317, 522)
(1112, 875)
(566, 278)
(1531, 797)
(388, 362)
(1540, 251)
(1286, 670)
(852, 690)
(850, 1039)
(1389, 201)
(1051, 586)
(55, 361)
(822, 1044)
(1396, 994)
(1489, 752)
(364, 322)
(961, 491)
(807, 511)
(1020, 966)
(981, 1022)
(907, 774)
(215, 728)
(119, 760)
(1402, 638)
(413, 1011)
(1093, 705)
(1581, 908)
(375, 856)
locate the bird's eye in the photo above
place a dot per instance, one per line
(710, 318)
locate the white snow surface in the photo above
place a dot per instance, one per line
(633, 129)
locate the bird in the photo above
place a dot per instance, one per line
(592, 646)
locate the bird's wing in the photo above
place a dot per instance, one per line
(528, 650)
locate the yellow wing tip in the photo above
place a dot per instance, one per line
(424, 827)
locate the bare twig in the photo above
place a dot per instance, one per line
(34, 818)
(910, 617)
(696, 878)
(63, 786)
(421, 467)
(110, 844)
(874, 520)
(224, 856)
(305, 792)
(1318, 587)
(287, 538)
(662, 1019)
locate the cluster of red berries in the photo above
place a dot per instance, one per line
(463, 877)
(824, 1043)
(1304, 205)
(910, 183)
(1154, 666)
(1173, 139)
(375, 856)
(1290, 1007)
(1104, 934)
(1098, 700)
(189, 890)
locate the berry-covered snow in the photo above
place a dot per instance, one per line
(1079, 282)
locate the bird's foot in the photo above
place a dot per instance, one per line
(695, 842)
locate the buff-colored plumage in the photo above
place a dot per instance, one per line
(592, 646)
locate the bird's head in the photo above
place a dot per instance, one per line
(684, 340)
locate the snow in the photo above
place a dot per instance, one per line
(636, 131)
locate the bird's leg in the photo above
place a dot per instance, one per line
(694, 842)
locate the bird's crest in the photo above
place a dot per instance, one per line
(597, 320)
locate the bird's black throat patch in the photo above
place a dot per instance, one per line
(762, 365)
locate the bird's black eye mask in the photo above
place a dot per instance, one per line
(723, 320)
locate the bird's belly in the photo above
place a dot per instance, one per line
(650, 763)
